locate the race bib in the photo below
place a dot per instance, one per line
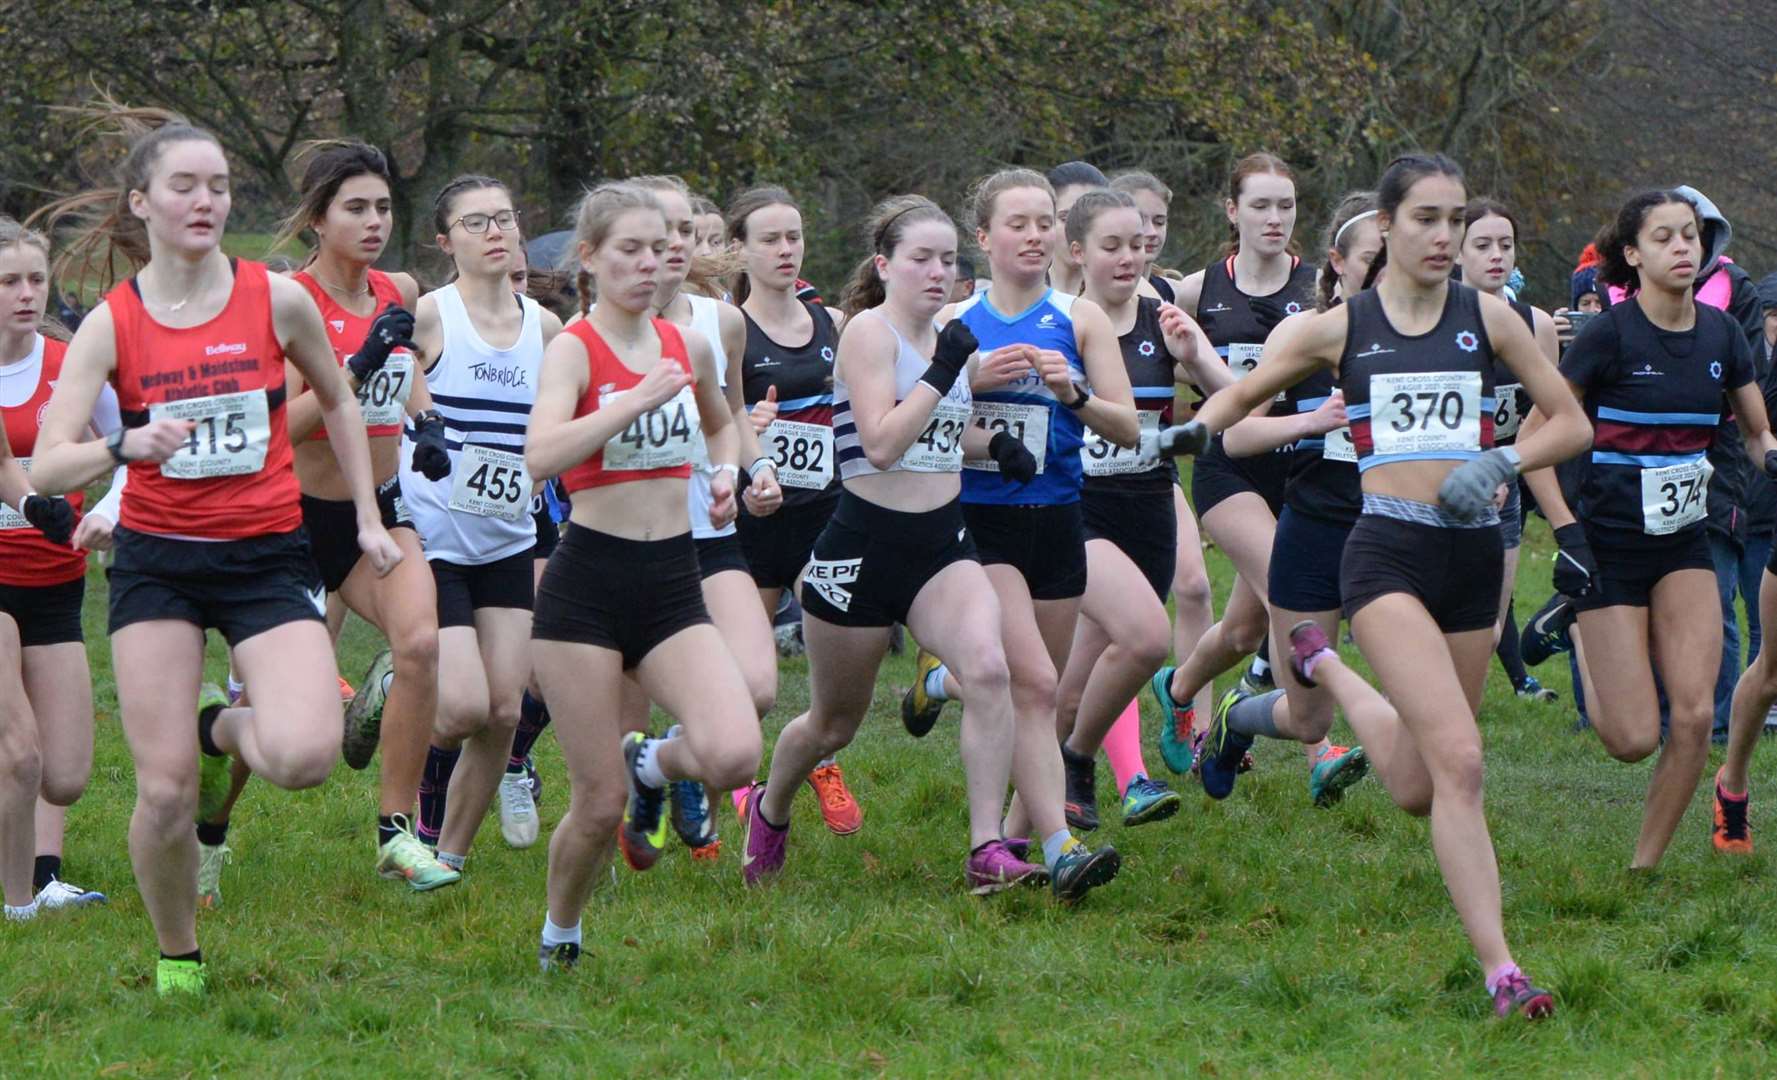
(1029, 424)
(939, 447)
(383, 399)
(1427, 412)
(491, 483)
(1339, 446)
(1101, 458)
(1674, 496)
(660, 438)
(803, 452)
(1243, 358)
(230, 438)
(10, 518)
(1506, 417)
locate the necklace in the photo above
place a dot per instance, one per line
(340, 289)
(175, 307)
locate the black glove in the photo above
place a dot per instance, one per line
(392, 329)
(1016, 463)
(1180, 439)
(1575, 569)
(1267, 311)
(430, 457)
(956, 343)
(53, 516)
(1771, 464)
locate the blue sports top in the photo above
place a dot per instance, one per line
(1052, 432)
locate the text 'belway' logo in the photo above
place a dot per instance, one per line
(225, 350)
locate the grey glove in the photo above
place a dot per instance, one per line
(1181, 439)
(1468, 491)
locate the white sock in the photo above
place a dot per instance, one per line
(455, 862)
(1261, 667)
(235, 687)
(648, 764)
(826, 761)
(388, 681)
(1054, 844)
(21, 914)
(935, 683)
(555, 935)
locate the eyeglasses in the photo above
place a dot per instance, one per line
(507, 220)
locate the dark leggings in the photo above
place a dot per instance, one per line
(1507, 651)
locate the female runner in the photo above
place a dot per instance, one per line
(1414, 358)
(614, 416)
(1070, 180)
(211, 531)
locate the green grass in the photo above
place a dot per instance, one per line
(1255, 936)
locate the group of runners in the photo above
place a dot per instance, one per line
(568, 523)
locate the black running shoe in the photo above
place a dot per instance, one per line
(1545, 634)
(1082, 789)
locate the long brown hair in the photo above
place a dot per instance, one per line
(735, 221)
(1259, 163)
(326, 164)
(888, 224)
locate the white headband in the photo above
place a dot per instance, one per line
(1355, 218)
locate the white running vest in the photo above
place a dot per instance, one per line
(481, 512)
(706, 320)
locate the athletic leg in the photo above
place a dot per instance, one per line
(581, 681)
(1125, 624)
(21, 774)
(59, 686)
(1192, 600)
(1686, 646)
(502, 637)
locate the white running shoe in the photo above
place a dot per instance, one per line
(518, 813)
(60, 894)
(210, 860)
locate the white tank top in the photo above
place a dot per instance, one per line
(939, 447)
(481, 512)
(706, 319)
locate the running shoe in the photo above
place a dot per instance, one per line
(536, 781)
(364, 713)
(789, 640)
(1253, 685)
(60, 894)
(1514, 994)
(1176, 722)
(1079, 870)
(838, 809)
(693, 821)
(1536, 691)
(765, 845)
(213, 780)
(1080, 803)
(919, 710)
(346, 693)
(211, 858)
(405, 858)
(179, 977)
(561, 957)
(1308, 645)
(643, 832)
(1146, 800)
(992, 867)
(1546, 633)
(1732, 834)
(1223, 748)
(1336, 769)
(518, 814)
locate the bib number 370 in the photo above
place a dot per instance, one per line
(229, 436)
(1426, 412)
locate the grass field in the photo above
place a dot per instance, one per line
(1255, 936)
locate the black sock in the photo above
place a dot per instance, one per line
(533, 717)
(434, 785)
(46, 869)
(1509, 657)
(196, 955)
(211, 834)
(206, 724)
(385, 829)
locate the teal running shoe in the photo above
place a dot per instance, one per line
(1336, 769)
(1176, 722)
(1148, 800)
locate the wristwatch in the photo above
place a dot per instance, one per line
(114, 443)
(1082, 394)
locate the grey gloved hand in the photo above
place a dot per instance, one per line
(1468, 491)
(1181, 439)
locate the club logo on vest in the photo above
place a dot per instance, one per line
(339, 325)
(1047, 322)
(1292, 308)
(827, 353)
(765, 361)
(1217, 310)
(1146, 348)
(1715, 369)
(1467, 341)
(830, 578)
(225, 350)
(1647, 369)
(1375, 349)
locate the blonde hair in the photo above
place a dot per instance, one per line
(599, 209)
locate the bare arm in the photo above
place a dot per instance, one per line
(867, 362)
(1290, 355)
(1111, 410)
(1564, 430)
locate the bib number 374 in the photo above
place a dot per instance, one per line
(229, 436)
(1674, 496)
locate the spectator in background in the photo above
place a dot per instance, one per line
(965, 280)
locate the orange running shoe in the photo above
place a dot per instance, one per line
(1732, 834)
(838, 809)
(346, 693)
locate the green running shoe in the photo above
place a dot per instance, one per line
(643, 832)
(1148, 800)
(1176, 722)
(213, 780)
(364, 716)
(405, 858)
(1336, 769)
(180, 977)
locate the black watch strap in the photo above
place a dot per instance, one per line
(114, 443)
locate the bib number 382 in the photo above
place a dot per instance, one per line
(229, 438)
(803, 452)
(491, 483)
(1427, 412)
(1674, 496)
